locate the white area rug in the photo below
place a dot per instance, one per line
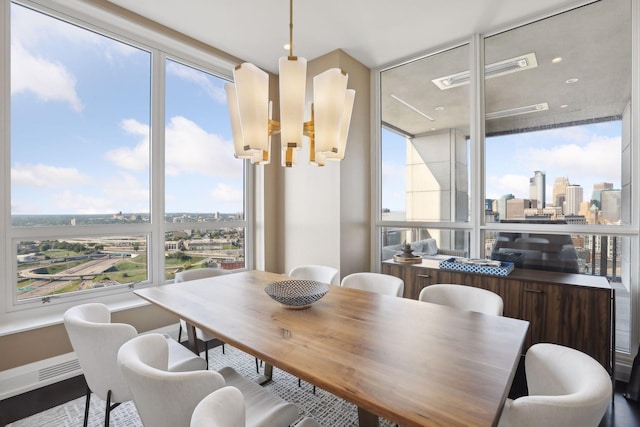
(325, 408)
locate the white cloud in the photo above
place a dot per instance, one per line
(126, 187)
(136, 158)
(47, 176)
(82, 204)
(600, 156)
(226, 193)
(199, 78)
(498, 186)
(47, 80)
(190, 149)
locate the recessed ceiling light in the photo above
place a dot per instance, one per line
(439, 108)
(535, 108)
(286, 46)
(556, 60)
(508, 66)
(574, 80)
(564, 106)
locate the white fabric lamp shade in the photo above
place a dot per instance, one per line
(329, 90)
(252, 90)
(293, 79)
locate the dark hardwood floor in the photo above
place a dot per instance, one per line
(622, 413)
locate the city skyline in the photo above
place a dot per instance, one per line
(587, 154)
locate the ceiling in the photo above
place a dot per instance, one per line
(374, 32)
(380, 33)
(593, 41)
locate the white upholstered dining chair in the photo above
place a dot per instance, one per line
(225, 407)
(96, 342)
(464, 297)
(165, 398)
(318, 273)
(566, 388)
(199, 273)
(384, 284)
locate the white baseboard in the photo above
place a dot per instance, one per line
(48, 371)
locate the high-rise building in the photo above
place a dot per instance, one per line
(560, 190)
(610, 206)
(516, 208)
(502, 206)
(573, 198)
(597, 191)
(537, 188)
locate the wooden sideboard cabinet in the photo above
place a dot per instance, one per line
(574, 310)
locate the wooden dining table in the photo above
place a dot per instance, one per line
(413, 363)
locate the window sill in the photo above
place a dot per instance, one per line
(31, 319)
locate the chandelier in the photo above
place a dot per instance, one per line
(251, 111)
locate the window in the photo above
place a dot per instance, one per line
(204, 183)
(85, 136)
(551, 177)
(425, 140)
(558, 106)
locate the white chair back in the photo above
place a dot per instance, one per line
(566, 388)
(162, 398)
(384, 284)
(319, 273)
(463, 297)
(222, 408)
(96, 342)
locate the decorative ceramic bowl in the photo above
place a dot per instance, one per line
(296, 294)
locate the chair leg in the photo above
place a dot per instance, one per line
(180, 332)
(206, 352)
(257, 368)
(299, 383)
(109, 408)
(86, 408)
(222, 348)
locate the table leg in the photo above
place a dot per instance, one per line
(366, 418)
(193, 341)
(267, 376)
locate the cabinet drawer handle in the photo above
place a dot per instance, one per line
(535, 291)
(426, 276)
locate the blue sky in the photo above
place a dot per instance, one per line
(80, 127)
(585, 154)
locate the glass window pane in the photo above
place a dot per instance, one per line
(203, 180)
(425, 139)
(189, 249)
(77, 147)
(557, 112)
(432, 243)
(64, 265)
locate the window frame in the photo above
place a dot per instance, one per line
(16, 315)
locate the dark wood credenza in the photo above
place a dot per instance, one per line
(574, 310)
